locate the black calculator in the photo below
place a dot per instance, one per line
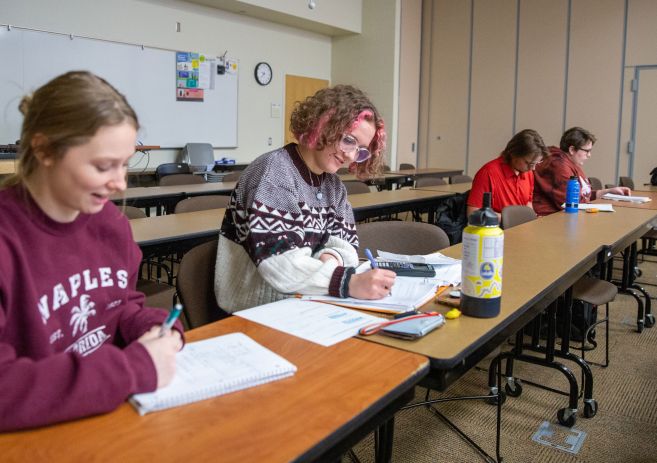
(406, 269)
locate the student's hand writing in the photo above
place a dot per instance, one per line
(162, 350)
(373, 284)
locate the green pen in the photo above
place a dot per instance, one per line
(171, 319)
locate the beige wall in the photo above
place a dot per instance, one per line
(370, 61)
(531, 64)
(288, 50)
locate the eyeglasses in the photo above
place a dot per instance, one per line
(533, 163)
(349, 145)
(588, 151)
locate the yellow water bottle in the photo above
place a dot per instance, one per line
(481, 274)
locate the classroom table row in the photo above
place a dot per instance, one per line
(341, 392)
(166, 197)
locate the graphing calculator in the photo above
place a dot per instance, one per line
(407, 269)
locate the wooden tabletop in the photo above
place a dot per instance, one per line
(542, 258)
(335, 390)
(652, 205)
(153, 230)
(7, 166)
(174, 190)
(393, 197)
(445, 172)
(451, 188)
(642, 188)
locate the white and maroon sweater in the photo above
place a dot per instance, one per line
(275, 228)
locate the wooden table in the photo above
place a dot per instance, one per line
(457, 188)
(337, 396)
(166, 234)
(651, 205)
(642, 188)
(168, 196)
(424, 171)
(377, 204)
(8, 166)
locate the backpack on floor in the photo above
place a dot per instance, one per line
(653, 177)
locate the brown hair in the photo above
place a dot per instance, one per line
(67, 112)
(321, 119)
(525, 142)
(575, 137)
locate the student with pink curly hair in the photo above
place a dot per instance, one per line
(289, 228)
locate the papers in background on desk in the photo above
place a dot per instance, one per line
(213, 367)
(600, 207)
(434, 259)
(317, 322)
(633, 199)
(406, 294)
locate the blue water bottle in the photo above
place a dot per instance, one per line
(572, 195)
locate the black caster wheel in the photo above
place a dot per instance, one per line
(566, 417)
(637, 272)
(514, 388)
(590, 408)
(650, 320)
(639, 326)
(493, 400)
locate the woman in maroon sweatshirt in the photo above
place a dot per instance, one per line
(75, 338)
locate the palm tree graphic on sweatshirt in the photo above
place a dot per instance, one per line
(79, 315)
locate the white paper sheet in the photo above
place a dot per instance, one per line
(321, 323)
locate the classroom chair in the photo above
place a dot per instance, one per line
(195, 284)
(181, 179)
(460, 179)
(171, 168)
(132, 212)
(202, 203)
(429, 180)
(232, 176)
(626, 181)
(355, 187)
(343, 171)
(596, 184)
(406, 166)
(400, 237)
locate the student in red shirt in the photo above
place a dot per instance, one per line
(509, 177)
(75, 337)
(551, 177)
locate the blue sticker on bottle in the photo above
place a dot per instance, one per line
(487, 270)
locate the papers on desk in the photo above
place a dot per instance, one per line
(600, 207)
(633, 199)
(213, 367)
(406, 294)
(317, 322)
(448, 269)
(434, 259)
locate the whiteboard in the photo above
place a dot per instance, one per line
(146, 76)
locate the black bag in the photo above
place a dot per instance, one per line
(583, 316)
(653, 177)
(451, 217)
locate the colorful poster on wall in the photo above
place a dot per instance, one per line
(193, 75)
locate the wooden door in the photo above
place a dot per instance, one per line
(644, 158)
(297, 88)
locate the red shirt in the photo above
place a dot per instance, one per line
(508, 188)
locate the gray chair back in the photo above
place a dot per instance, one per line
(460, 179)
(171, 168)
(181, 179)
(516, 215)
(429, 180)
(132, 212)
(626, 181)
(201, 203)
(195, 285)
(355, 187)
(400, 237)
(406, 166)
(596, 184)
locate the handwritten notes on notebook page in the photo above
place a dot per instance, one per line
(212, 367)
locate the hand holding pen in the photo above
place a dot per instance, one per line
(374, 284)
(171, 319)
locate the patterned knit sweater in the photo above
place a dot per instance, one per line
(280, 220)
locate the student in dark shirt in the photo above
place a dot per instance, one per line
(75, 337)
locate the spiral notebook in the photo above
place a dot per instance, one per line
(213, 367)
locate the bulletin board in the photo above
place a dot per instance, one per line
(146, 76)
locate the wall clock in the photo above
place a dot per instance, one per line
(263, 73)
